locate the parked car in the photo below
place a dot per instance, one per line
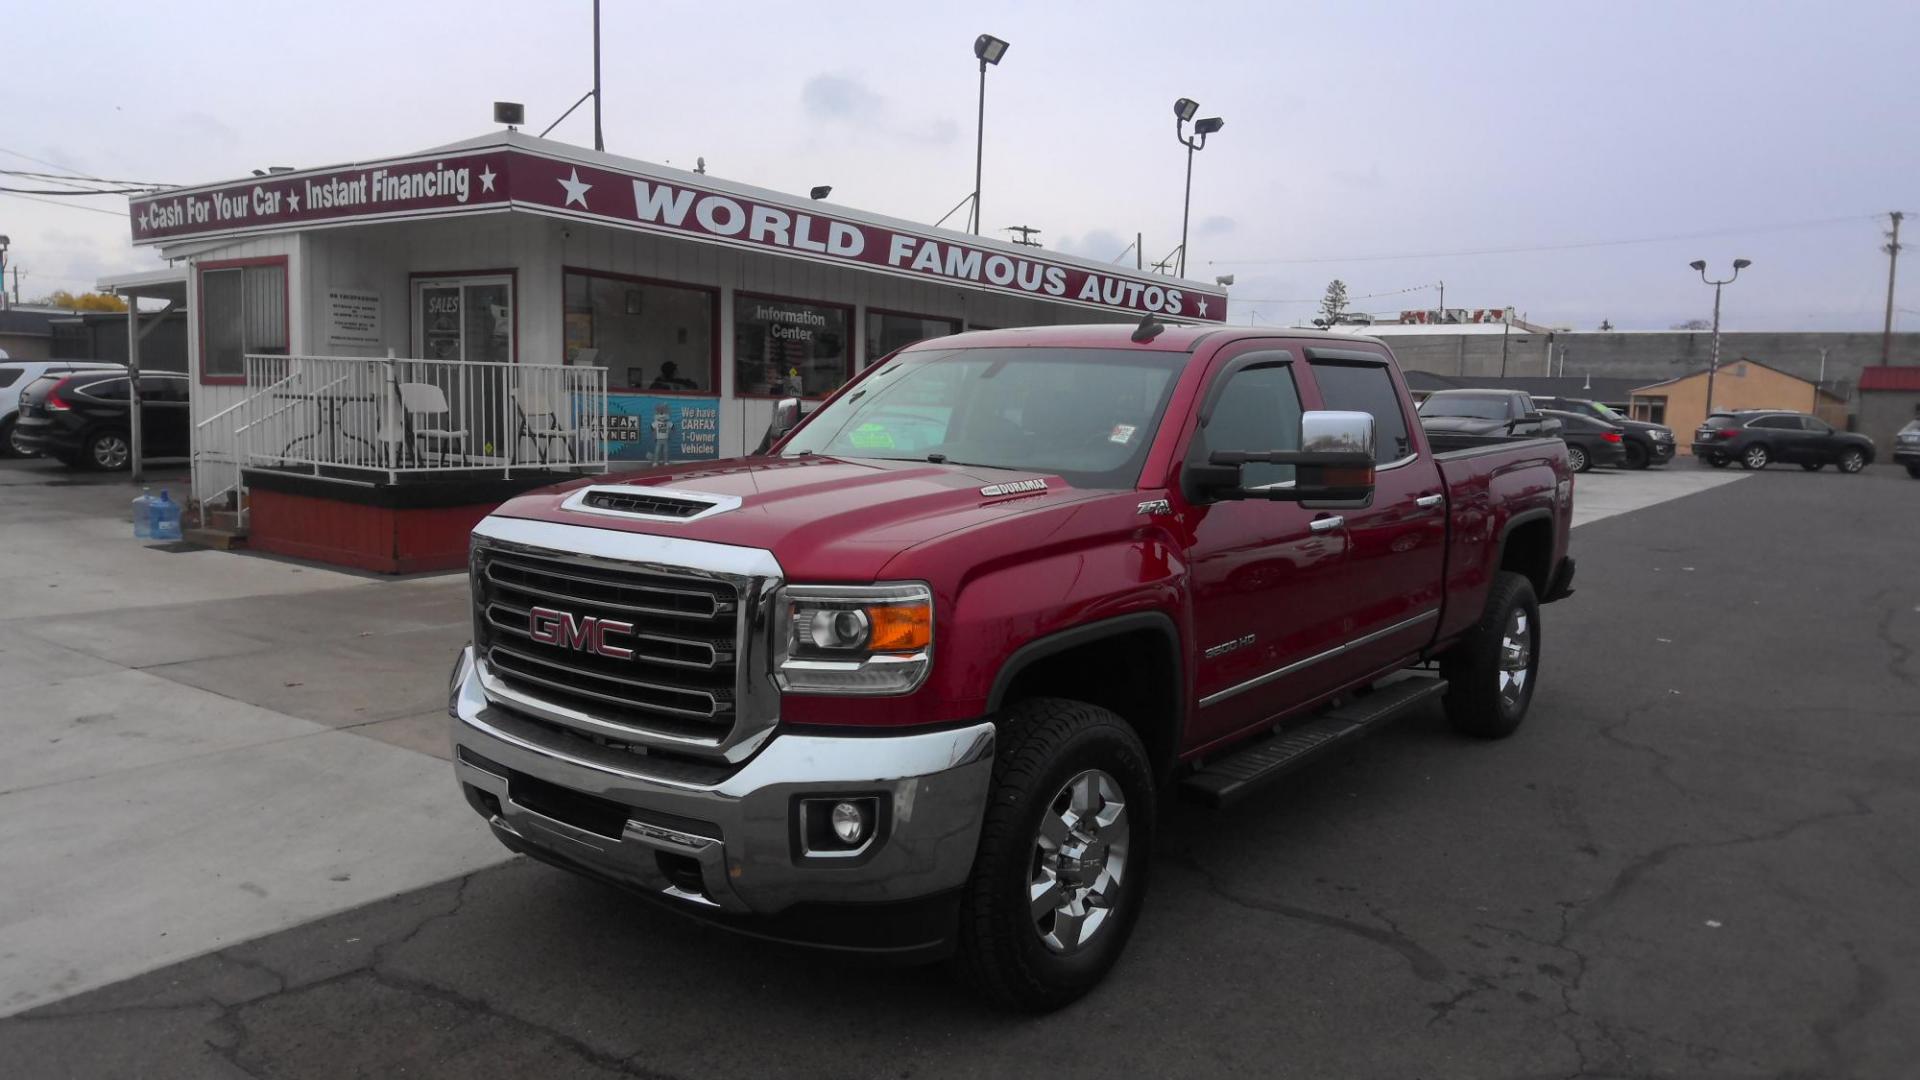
(839, 694)
(1459, 419)
(84, 418)
(1645, 443)
(1757, 438)
(1906, 448)
(1589, 442)
(16, 375)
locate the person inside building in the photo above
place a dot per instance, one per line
(669, 379)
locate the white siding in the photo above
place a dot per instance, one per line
(208, 401)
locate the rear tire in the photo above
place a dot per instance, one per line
(1914, 471)
(1039, 927)
(1577, 459)
(1491, 673)
(1637, 457)
(107, 451)
(1717, 462)
(1755, 457)
(6, 438)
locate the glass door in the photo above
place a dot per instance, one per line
(464, 325)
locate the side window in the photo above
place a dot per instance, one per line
(1259, 409)
(1777, 423)
(1816, 425)
(1367, 388)
(159, 388)
(107, 390)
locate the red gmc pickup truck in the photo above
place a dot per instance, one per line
(914, 682)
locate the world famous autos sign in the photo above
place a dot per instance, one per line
(666, 203)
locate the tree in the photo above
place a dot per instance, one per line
(86, 301)
(1334, 305)
(1694, 324)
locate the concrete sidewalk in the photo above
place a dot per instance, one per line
(200, 747)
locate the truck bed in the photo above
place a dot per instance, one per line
(1493, 489)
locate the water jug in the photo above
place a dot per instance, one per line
(166, 517)
(143, 514)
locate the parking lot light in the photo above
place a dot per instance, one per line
(1713, 359)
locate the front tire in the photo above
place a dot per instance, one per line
(1914, 471)
(1755, 457)
(1064, 855)
(1637, 457)
(1577, 459)
(1490, 674)
(1852, 461)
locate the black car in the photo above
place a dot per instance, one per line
(1589, 442)
(83, 418)
(1906, 448)
(1757, 438)
(1460, 419)
(1646, 443)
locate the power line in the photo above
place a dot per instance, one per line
(68, 205)
(1317, 299)
(80, 182)
(1573, 246)
(69, 193)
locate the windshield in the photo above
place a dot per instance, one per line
(1606, 412)
(1480, 406)
(1084, 414)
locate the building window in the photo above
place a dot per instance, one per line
(648, 335)
(890, 330)
(789, 348)
(1651, 409)
(243, 309)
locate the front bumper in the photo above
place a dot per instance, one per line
(1905, 454)
(1659, 452)
(721, 840)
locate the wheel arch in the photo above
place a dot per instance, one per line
(1144, 683)
(1526, 547)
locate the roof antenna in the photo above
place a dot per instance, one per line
(1148, 329)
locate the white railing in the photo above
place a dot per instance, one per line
(347, 417)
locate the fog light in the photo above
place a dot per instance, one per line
(849, 823)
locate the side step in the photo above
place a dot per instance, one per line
(1229, 778)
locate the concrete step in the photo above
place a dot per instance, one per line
(219, 539)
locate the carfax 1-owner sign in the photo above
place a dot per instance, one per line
(662, 428)
(633, 195)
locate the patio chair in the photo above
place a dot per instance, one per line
(542, 421)
(422, 405)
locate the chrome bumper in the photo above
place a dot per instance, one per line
(734, 822)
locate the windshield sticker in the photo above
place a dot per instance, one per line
(872, 437)
(1122, 434)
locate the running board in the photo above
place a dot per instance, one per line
(1230, 778)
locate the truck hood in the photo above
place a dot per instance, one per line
(825, 519)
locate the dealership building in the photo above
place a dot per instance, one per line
(419, 336)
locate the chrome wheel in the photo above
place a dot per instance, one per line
(1756, 457)
(1079, 862)
(1853, 461)
(111, 452)
(1516, 660)
(1576, 459)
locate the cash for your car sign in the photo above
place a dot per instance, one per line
(659, 428)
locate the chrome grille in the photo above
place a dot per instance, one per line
(683, 678)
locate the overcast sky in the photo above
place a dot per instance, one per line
(1381, 143)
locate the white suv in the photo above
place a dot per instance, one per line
(14, 377)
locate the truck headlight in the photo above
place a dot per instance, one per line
(855, 639)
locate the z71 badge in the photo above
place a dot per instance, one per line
(1154, 506)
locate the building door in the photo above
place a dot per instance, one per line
(464, 326)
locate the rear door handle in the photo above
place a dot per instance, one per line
(1326, 524)
(1428, 502)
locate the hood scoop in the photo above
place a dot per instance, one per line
(649, 503)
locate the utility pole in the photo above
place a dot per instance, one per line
(1505, 326)
(1892, 249)
(598, 142)
(1442, 312)
(17, 275)
(1139, 255)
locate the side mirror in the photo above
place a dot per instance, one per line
(1334, 464)
(1526, 418)
(786, 417)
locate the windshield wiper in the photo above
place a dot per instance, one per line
(937, 459)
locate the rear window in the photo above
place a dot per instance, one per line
(1480, 406)
(1721, 421)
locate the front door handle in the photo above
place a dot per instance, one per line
(1428, 502)
(1326, 524)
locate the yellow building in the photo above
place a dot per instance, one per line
(1681, 403)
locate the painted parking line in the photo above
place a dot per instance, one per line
(1602, 494)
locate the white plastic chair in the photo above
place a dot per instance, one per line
(418, 402)
(542, 420)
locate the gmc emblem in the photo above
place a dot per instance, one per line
(582, 633)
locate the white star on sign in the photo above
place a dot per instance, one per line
(486, 179)
(293, 203)
(143, 219)
(1203, 307)
(576, 191)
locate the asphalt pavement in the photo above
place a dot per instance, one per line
(1698, 858)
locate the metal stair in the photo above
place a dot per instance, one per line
(1226, 779)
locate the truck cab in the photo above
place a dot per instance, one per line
(915, 681)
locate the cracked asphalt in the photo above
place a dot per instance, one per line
(1698, 858)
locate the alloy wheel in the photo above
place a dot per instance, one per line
(111, 452)
(1079, 862)
(1516, 660)
(1756, 457)
(1576, 459)
(1853, 461)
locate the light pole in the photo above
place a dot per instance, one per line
(1713, 360)
(989, 49)
(1183, 111)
